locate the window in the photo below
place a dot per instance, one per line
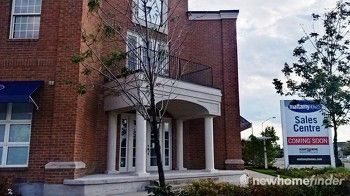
(25, 20)
(166, 128)
(132, 48)
(123, 142)
(153, 11)
(15, 128)
(158, 54)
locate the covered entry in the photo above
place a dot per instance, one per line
(136, 148)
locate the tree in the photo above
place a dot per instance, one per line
(253, 148)
(322, 70)
(346, 149)
(155, 24)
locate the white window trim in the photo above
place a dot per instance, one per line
(142, 22)
(12, 23)
(5, 144)
(139, 40)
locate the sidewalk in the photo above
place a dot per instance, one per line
(254, 174)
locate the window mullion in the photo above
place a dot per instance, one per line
(26, 14)
(4, 155)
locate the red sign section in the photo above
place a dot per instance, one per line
(307, 140)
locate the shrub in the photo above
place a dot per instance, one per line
(307, 172)
(154, 189)
(210, 188)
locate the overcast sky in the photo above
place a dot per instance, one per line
(268, 31)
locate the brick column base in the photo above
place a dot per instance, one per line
(56, 172)
(234, 164)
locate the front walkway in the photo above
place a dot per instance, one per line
(169, 175)
(254, 174)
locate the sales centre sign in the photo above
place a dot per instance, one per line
(306, 141)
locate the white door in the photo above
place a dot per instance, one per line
(127, 145)
(166, 134)
(165, 143)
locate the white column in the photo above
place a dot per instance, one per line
(179, 145)
(112, 143)
(140, 169)
(209, 144)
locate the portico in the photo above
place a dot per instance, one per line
(130, 147)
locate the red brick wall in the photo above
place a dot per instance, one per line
(65, 101)
(69, 127)
(63, 128)
(231, 93)
(213, 43)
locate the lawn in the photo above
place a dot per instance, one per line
(303, 173)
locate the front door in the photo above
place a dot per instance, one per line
(165, 143)
(127, 145)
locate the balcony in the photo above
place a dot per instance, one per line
(170, 67)
(186, 87)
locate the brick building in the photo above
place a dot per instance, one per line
(51, 137)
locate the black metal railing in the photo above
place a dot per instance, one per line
(170, 66)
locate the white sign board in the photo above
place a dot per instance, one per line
(306, 141)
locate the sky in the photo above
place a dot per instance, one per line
(268, 31)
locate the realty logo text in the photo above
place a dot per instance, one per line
(304, 108)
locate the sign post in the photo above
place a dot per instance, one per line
(306, 141)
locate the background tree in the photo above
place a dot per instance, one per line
(346, 149)
(253, 149)
(322, 70)
(155, 26)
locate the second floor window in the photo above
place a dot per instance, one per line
(25, 19)
(137, 54)
(153, 10)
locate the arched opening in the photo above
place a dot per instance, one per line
(181, 109)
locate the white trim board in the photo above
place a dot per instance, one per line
(213, 15)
